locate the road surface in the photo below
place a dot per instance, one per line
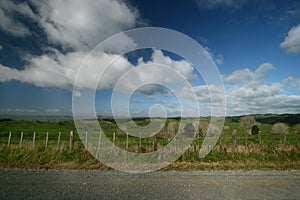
(62, 184)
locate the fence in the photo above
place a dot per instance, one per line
(35, 139)
(69, 140)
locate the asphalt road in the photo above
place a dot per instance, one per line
(58, 184)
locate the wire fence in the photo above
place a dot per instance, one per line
(71, 140)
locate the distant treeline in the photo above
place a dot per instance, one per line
(290, 119)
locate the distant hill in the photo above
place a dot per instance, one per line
(37, 117)
(290, 119)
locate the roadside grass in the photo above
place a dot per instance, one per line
(52, 158)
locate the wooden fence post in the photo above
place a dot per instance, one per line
(297, 139)
(21, 139)
(140, 140)
(246, 138)
(272, 139)
(127, 140)
(47, 137)
(259, 137)
(58, 140)
(194, 143)
(234, 140)
(9, 139)
(71, 140)
(86, 140)
(220, 142)
(284, 139)
(154, 143)
(114, 137)
(33, 140)
(99, 145)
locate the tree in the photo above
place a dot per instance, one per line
(201, 128)
(246, 123)
(281, 128)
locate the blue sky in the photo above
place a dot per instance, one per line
(255, 45)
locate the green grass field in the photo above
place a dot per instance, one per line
(223, 156)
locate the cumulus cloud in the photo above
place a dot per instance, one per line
(247, 93)
(254, 95)
(213, 4)
(59, 70)
(83, 24)
(183, 67)
(291, 43)
(245, 75)
(77, 26)
(72, 24)
(153, 73)
(203, 93)
(9, 22)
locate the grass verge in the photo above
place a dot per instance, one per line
(52, 158)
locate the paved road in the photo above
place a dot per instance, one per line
(54, 184)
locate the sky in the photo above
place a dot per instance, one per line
(255, 46)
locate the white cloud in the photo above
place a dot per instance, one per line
(249, 92)
(291, 43)
(76, 93)
(183, 67)
(52, 110)
(1, 47)
(292, 81)
(59, 70)
(82, 25)
(245, 75)
(203, 93)
(254, 95)
(213, 4)
(9, 22)
(17, 110)
(73, 24)
(155, 72)
(218, 59)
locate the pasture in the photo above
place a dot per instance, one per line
(56, 144)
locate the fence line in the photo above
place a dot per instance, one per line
(138, 143)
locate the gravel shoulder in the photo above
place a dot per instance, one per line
(80, 184)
